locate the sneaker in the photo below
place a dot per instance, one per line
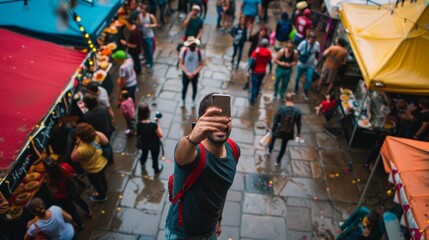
(96, 198)
(267, 152)
(150, 69)
(160, 168)
(182, 104)
(277, 164)
(294, 93)
(305, 96)
(246, 86)
(193, 104)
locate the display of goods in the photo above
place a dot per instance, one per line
(32, 176)
(31, 185)
(22, 198)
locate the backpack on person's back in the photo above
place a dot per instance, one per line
(285, 28)
(285, 127)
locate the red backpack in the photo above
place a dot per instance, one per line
(193, 177)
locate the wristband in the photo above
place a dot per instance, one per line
(191, 141)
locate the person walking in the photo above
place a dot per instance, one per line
(285, 59)
(191, 62)
(239, 35)
(194, 24)
(161, 5)
(283, 30)
(149, 136)
(228, 9)
(89, 153)
(284, 122)
(250, 9)
(202, 204)
(255, 40)
(260, 58)
(147, 21)
(302, 24)
(128, 111)
(335, 57)
(307, 61)
(219, 11)
(52, 222)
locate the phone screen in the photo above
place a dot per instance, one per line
(222, 101)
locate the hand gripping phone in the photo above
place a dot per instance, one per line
(222, 101)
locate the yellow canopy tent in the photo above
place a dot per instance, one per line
(391, 45)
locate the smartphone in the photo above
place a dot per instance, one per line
(222, 101)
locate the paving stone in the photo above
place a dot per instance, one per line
(238, 183)
(336, 158)
(117, 181)
(172, 73)
(177, 130)
(309, 141)
(164, 213)
(104, 235)
(242, 135)
(326, 228)
(298, 202)
(123, 163)
(317, 170)
(297, 218)
(303, 153)
(321, 209)
(165, 105)
(107, 211)
(144, 194)
(229, 233)
(231, 214)
(167, 95)
(303, 107)
(255, 203)
(297, 235)
(341, 188)
(301, 168)
(325, 141)
(342, 210)
(305, 188)
(234, 196)
(262, 227)
(125, 221)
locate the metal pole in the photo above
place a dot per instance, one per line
(369, 180)
(352, 136)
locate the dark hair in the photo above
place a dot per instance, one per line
(285, 16)
(424, 102)
(373, 217)
(205, 103)
(92, 86)
(54, 172)
(125, 94)
(90, 101)
(342, 42)
(37, 207)
(289, 97)
(143, 112)
(85, 132)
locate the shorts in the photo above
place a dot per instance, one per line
(329, 75)
(250, 19)
(280, 44)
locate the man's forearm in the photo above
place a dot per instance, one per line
(186, 151)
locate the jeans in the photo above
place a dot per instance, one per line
(132, 91)
(185, 82)
(282, 79)
(219, 15)
(282, 148)
(309, 72)
(154, 152)
(99, 182)
(240, 51)
(137, 63)
(256, 80)
(148, 51)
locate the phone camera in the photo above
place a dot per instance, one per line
(158, 115)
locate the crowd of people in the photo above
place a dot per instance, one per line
(295, 46)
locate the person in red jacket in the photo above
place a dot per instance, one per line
(303, 25)
(259, 60)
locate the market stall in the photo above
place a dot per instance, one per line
(37, 96)
(407, 162)
(390, 46)
(40, 19)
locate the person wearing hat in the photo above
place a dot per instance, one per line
(297, 10)
(302, 24)
(194, 23)
(191, 62)
(259, 60)
(307, 61)
(127, 79)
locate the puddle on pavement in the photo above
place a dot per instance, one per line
(256, 183)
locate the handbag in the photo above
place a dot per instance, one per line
(106, 149)
(266, 139)
(40, 235)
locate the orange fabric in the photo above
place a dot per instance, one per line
(411, 159)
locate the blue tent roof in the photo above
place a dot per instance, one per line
(40, 20)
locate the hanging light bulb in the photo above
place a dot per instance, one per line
(86, 35)
(81, 28)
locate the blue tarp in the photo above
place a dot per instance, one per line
(39, 19)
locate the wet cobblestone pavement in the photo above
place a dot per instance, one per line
(317, 186)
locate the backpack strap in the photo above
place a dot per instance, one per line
(188, 183)
(234, 148)
(184, 53)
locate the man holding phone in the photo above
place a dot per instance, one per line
(202, 204)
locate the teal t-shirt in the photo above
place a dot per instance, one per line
(194, 26)
(202, 202)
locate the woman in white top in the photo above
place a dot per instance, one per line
(147, 21)
(53, 222)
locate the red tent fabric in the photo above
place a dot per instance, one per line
(33, 74)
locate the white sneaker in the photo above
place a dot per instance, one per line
(277, 164)
(305, 96)
(193, 104)
(293, 93)
(182, 104)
